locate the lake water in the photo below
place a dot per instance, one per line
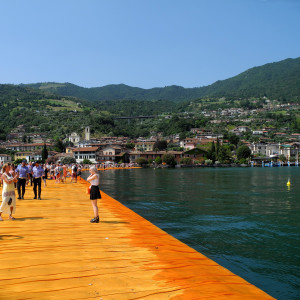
(246, 219)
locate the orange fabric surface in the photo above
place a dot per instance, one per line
(51, 251)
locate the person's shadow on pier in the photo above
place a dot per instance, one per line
(10, 237)
(28, 218)
(114, 222)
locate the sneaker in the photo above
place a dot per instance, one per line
(95, 220)
(1, 218)
(39, 198)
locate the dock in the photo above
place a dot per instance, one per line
(52, 251)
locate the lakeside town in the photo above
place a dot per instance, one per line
(194, 150)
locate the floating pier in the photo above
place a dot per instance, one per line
(52, 251)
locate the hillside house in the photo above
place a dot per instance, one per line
(145, 146)
(195, 154)
(70, 150)
(29, 156)
(296, 136)
(113, 154)
(241, 129)
(290, 150)
(189, 143)
(258, 132)
(90, 153)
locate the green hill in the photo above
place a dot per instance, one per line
(40, 111)
(118, 92)
(278, 80)
(275, 80)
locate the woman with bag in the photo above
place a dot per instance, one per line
(94, 192)
(8, 193)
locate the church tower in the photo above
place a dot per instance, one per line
(87, 133)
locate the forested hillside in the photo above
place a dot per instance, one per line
(119, 92)
(58, 115)
(39, 111)
(58, 108)
(279, 80)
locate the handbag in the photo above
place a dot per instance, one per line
(89, 190)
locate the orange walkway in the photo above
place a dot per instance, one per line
(52, 252)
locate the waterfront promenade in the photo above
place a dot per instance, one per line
(51, 251)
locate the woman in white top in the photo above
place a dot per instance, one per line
(95, 192)
(8, 193)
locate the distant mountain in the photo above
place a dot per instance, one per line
(119, 92)
(278, 80)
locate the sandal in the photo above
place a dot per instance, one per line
(12, 218)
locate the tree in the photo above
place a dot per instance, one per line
(51, 160)
(182, 135)
(142, 161)
(68, 144)
(211, 154)
(186, 161)
(18, 161)
(59, 146)
(243, 152)
(233, 139)
(169, 159)
(224, 155)
(44, 153)
(158, 160)
(160, 145)
(282, 157)
(218, 146)
(86, 162)
(68, 160)
(129, 145)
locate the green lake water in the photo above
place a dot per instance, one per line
(246, 219)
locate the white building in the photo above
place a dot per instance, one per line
(74, 138)
(189, 143)
(90, 153)
(4, 158)
(271, 150)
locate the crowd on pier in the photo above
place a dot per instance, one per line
(35, 174)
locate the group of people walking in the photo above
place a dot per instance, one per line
(19, 177)
(33, 173)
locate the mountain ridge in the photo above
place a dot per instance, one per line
(277, 80)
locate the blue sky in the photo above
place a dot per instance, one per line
(143, 43)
